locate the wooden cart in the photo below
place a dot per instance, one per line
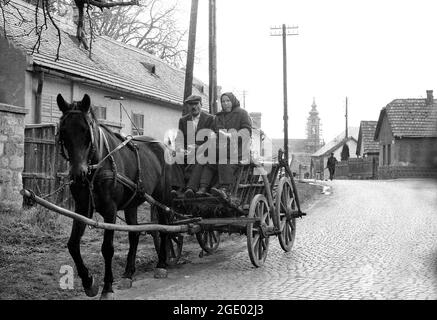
(264, 203)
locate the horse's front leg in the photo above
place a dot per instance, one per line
(89, 284)
(108, 253)
(131, 219)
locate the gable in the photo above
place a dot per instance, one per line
(366, 143)
(385, 132)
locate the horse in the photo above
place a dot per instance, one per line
(109, 173)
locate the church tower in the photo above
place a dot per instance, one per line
(314, 130)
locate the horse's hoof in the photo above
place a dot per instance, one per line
(160, 273)
(93, 290)
(107, 296)
(125, 283)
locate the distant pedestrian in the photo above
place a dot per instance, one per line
(332, 161)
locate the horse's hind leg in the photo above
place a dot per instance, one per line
(161, 267)
(131, 219)
(89, 284)
(108, 253)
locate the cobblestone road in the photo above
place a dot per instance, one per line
(363, 240)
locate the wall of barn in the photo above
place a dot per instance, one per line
(411, 157)
(158, 118)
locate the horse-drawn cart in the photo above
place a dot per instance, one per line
(110, 172)
(265, 203)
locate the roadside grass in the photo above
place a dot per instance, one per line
(33, 247)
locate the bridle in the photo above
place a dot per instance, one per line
(96, 149)
(92, 144)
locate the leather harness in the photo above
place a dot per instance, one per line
(94, 170)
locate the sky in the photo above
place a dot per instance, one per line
(371, 52)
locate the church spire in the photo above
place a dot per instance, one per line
(313, 129)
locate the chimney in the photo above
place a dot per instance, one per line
(256, 119)
(429, 97)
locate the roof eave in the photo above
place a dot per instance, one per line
(99, 84)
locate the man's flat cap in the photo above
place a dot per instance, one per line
(193, 99)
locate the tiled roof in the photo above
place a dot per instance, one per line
(112, 63)
(338, 140)
(410, 118)
(365, 137)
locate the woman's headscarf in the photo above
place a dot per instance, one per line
(234, 100)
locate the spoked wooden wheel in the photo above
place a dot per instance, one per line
(257, 244)
(208, 240)
(284, 206)
(173, 247)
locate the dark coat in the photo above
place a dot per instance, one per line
(331, 162)
(237, 119)
(205, 122)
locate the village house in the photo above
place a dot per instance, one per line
(319, 159)
(125, 84)
(406, 133)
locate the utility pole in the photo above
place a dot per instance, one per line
(244, 99)
(190, 54)
(212, 58)
(284, 32)
(346, 120)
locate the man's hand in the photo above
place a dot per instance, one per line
(190, 148)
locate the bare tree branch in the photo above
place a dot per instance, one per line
(57, 30)
(149, 25)
(112, 4)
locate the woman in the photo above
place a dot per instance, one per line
(233, 127)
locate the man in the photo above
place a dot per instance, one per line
(189, 125)
(332, 161)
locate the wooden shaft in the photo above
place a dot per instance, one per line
(103, 225)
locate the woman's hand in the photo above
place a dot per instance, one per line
(225, 134)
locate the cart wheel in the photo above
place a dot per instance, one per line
(208, 240)
(285, 202)
(257, 244)
(173, 249)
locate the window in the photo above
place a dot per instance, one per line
(99, 112)
(150, 67)
(383, 155)
(138, 123)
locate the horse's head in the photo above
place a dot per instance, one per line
(76, 135)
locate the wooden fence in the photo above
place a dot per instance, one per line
(45, 171)
(357, 168)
